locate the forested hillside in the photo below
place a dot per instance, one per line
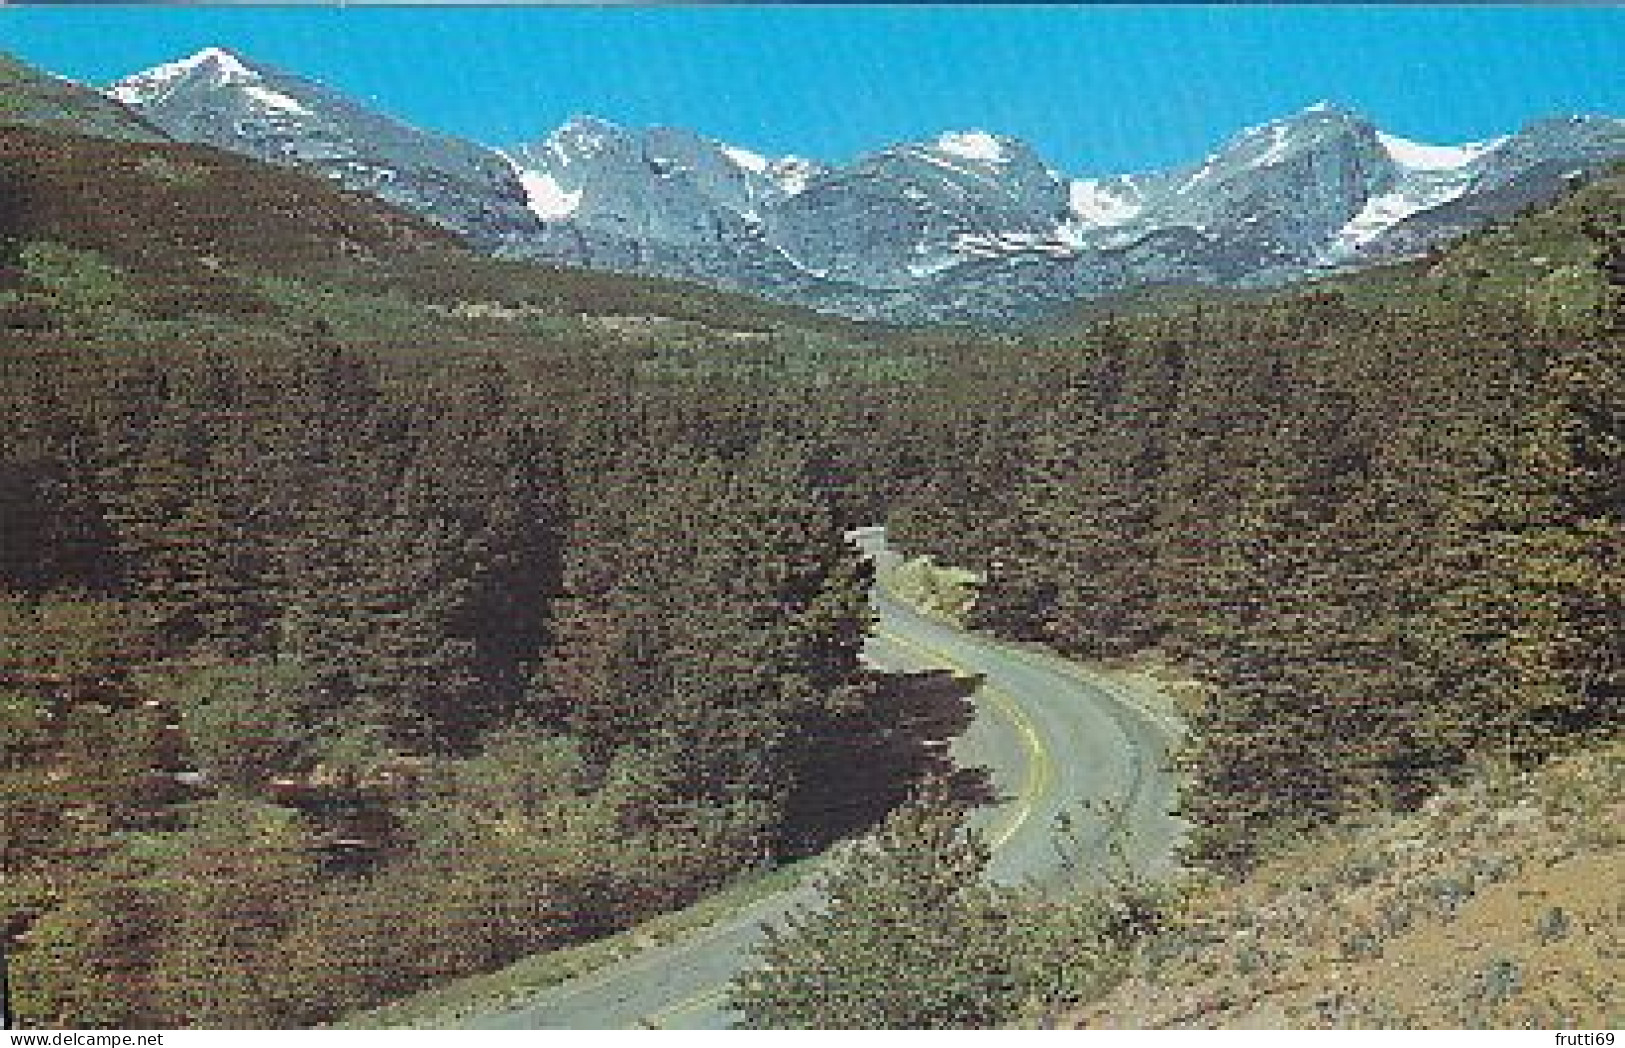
(1382, 517)
(372, 613)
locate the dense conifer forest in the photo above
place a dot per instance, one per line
(1382, 517)
(347, 575)
(375, 614)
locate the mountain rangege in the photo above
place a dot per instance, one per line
(969, 227)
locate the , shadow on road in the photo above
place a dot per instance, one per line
(866, 763)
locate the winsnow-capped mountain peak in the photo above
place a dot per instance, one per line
(1318, 127)
(1320, 117)
(586, 139)
(793, 174)
(649, 190)
(1590, 136)
(1327, 109)
(755, 163)
(219, 98)
(583, 137)
(974, 145)
(223, 60)
(219, 72)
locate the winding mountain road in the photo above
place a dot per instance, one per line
(1076, 763)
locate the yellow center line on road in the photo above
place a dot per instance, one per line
(1040, 769)
(1040, 773)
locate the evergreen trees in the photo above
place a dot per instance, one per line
(376, 617)
(907, 933)
(727, 618)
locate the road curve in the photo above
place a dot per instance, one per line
(1075, 762)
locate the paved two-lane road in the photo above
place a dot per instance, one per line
(1062, 747)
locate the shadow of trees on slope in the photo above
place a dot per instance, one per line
(865, 764)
